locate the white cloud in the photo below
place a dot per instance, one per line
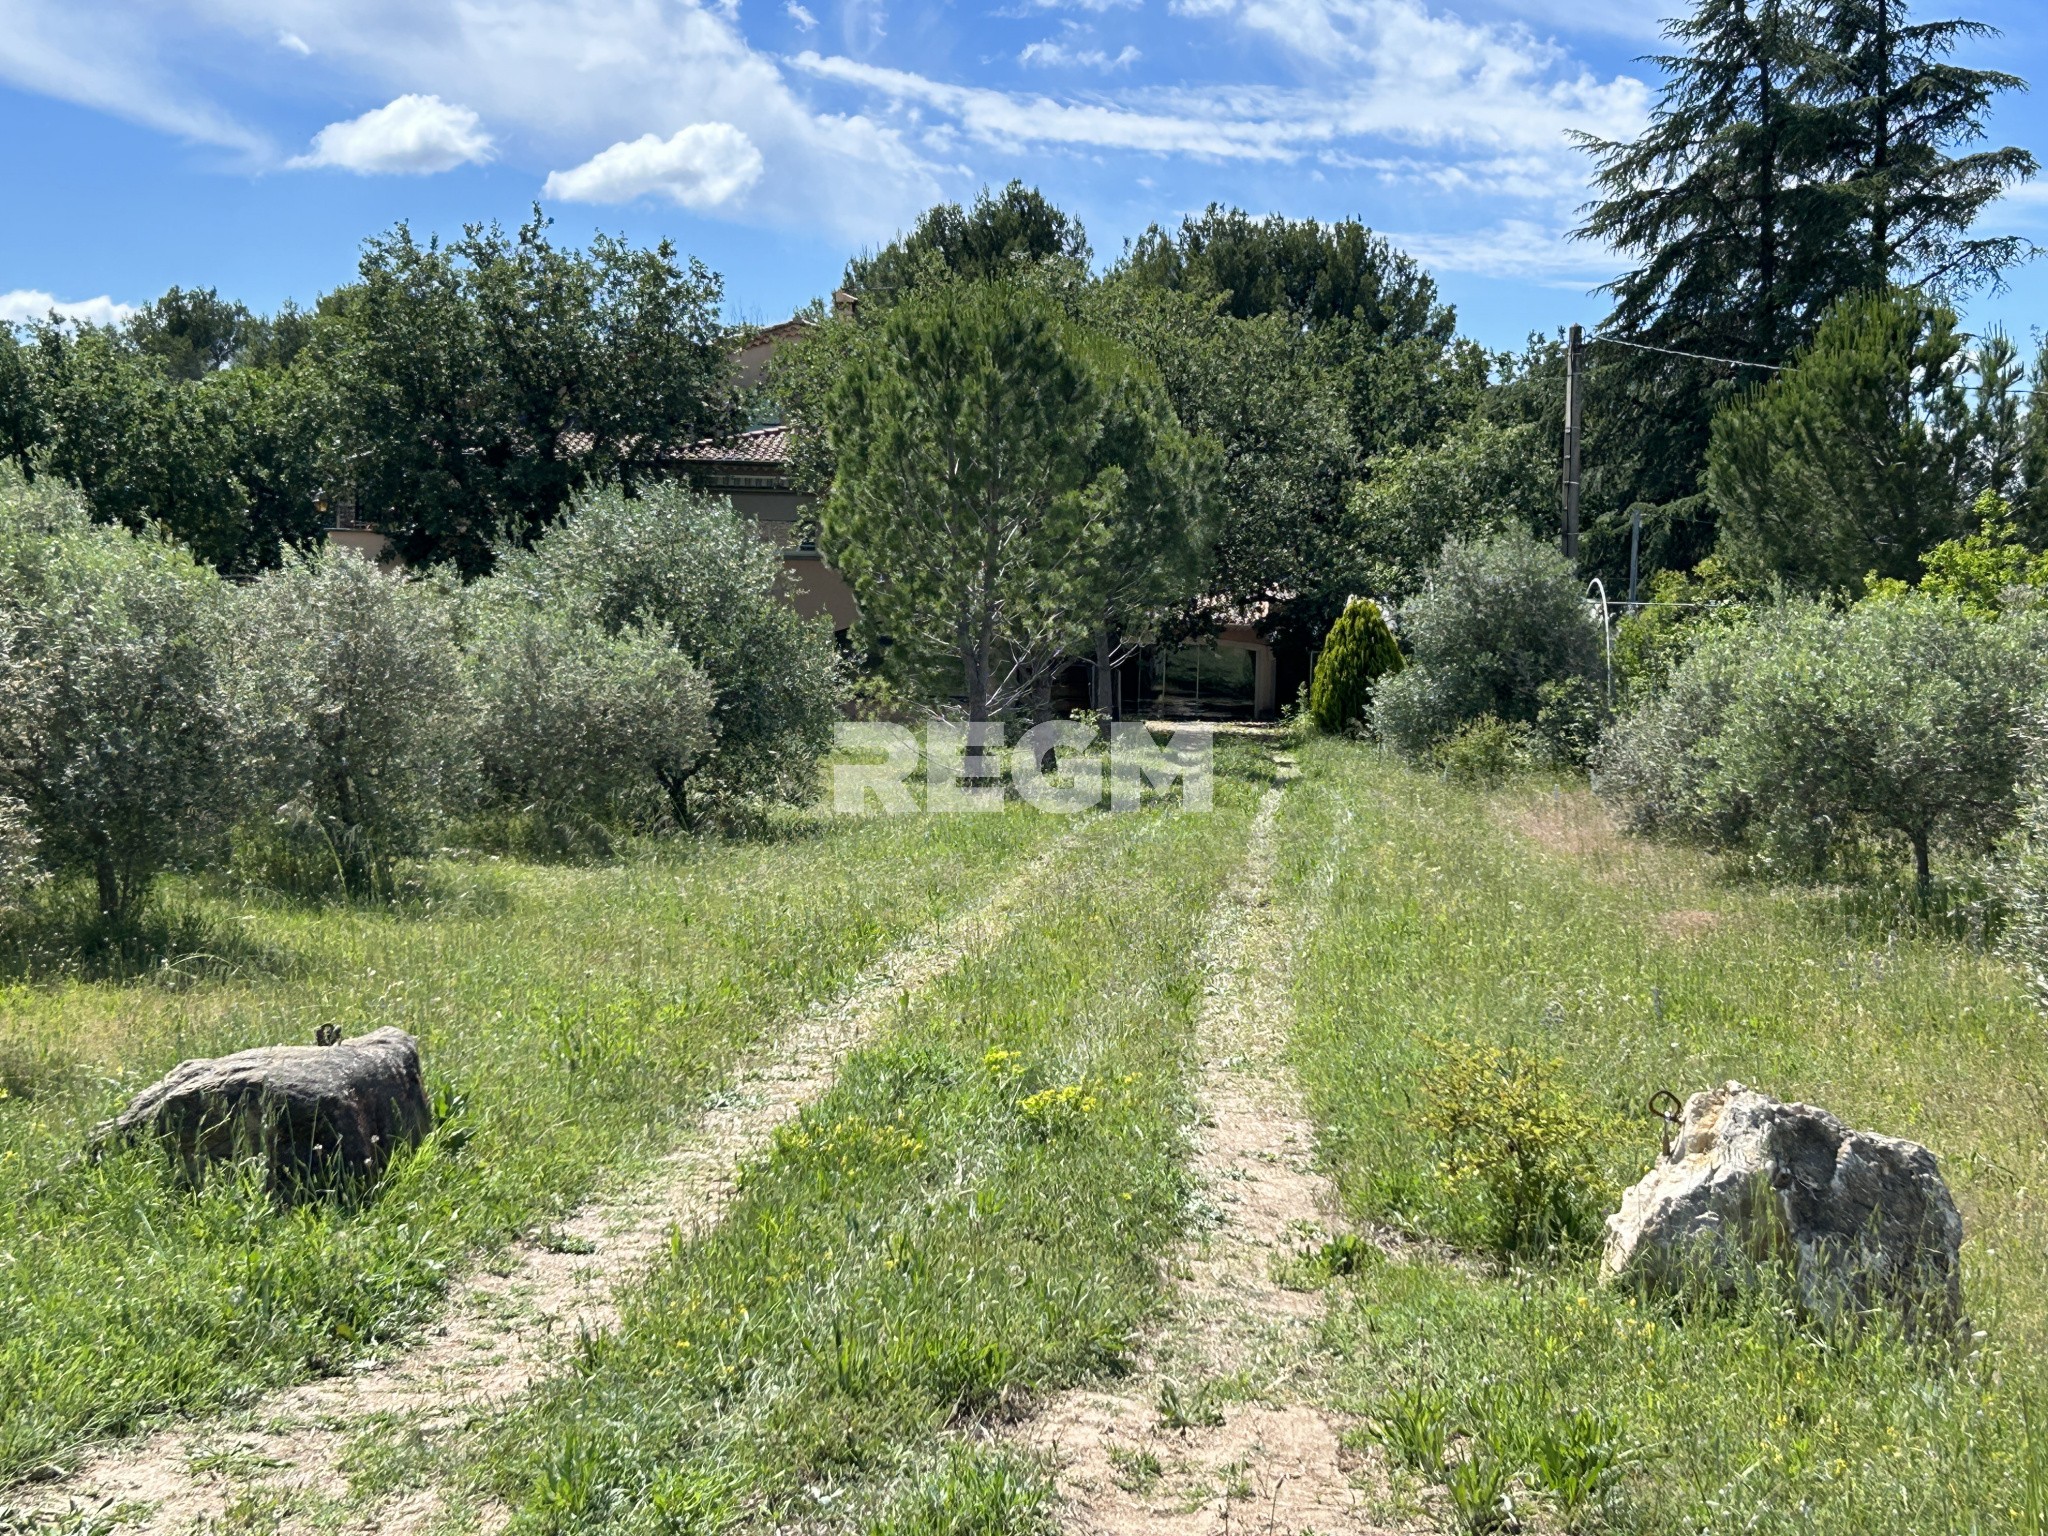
(413, 135)
(1013, 121)
(701, 166)
(291, 42)
(1053, 54)
(25, 306)
(113, 63)
(1514, 248)
(559, 80)
(1498, 112)
(801, 15)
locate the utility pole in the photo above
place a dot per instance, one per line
(1574, 412)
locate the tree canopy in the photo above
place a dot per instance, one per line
(1008, 484)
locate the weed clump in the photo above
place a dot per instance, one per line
(1510, 1136)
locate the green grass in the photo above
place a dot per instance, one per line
(974, 1215)
(1452, 919)
(572, 1020)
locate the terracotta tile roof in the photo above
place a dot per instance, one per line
(764, 446)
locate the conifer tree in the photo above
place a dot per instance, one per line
(1898, 107)
(1359, 651)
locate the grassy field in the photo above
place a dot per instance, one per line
(973, 1216)
(572, 1020)
(1442, 924)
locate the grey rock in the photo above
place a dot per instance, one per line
(319, 1117)
(1863, 1222)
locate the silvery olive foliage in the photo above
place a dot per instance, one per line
(352, 717)
(1903, 718)
(2022, 872)
(116, 747)
(673, 561)
(1496, 620)
(575, 725)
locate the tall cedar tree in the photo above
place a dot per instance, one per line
(1801, 152)
(1897, 107)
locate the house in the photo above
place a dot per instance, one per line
(1233, 674)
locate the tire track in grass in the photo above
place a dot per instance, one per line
(1214, 1433)
(502, 1329)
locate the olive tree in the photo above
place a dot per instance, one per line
(350, 714)
(2022, 876)
(674, 562)
(115, 746)
(1497, 620)
(21, 707)
(577, 724)
(1903, 718)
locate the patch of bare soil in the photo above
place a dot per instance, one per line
(1217, 1431)
(502, 1329)
(1574, 825)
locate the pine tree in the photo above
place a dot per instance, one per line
(1855, 461)
(1801, 153)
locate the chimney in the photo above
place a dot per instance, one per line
(845, 303)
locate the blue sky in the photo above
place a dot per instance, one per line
(250, 145)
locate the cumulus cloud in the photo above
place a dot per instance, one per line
(25, 306)
(557, 81)
(413, 135)
(702, 166)
(801, 15)
(1054, 54)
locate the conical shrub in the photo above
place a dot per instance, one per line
(1357, 653)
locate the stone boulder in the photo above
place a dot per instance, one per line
(320, 1117)
(1863, 1223)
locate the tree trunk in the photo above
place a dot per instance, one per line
(109, 882)
(1880, 158)
(1041, 711)
(1923, 876)
(1105, 702)
(677, 787)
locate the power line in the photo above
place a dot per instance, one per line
(1698, 357)
(1738, 362)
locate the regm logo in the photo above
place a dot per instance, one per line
(1062, 767)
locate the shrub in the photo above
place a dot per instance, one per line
(121, 761)
(2021, 878)
(1659, 767)
(674, 561)
(1500, 618)
(576, 725)
(1683, 608)
(1507, 1130)
(1486, 752)
(1903, 717)
(1357, 653)
(351, 710)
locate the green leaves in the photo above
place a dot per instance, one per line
(1007, 485)
(1854, 460)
